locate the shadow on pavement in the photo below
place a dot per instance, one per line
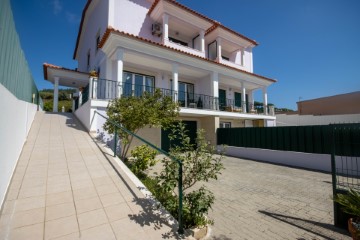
(307, 225)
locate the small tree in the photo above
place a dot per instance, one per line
(200, 164)
(152, 109)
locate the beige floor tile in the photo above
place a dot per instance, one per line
(58, 198)
(133, 229)
(89, 204)
(119, 211)
(84, 193)
(61, 227)
(60, 211)
(26, 192)
(79, 184)
(71, 236)
(103, 232)
(23, 218)
(106, 189)
(32, 232)
(92, 219)
(29, 203)
(111, 199)
(58, 188)
(102, 181)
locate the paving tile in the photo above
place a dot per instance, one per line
(32, 232)
(119, 211)
(103, 232)
(60, 211)
(84, 193)
(133, 229)
(89, 204)
(26, 192)
(29, 203)
(61, 227)
(111, 199)
(106, 189)
(71, 236)
(23, 218)
(92, 219)
(57, 198)
(102, 181)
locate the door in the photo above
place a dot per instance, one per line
(190, 126)
(222, 99)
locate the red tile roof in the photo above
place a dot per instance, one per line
(110, 30)
(217, 24)
(48, 65)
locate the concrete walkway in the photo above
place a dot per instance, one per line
(66, 187)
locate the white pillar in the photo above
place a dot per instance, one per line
(56, 94)
(265, 100)
(251, 100)
(219, 55)
(202, 41)
(215, 90)
(175, 81)
(243, 97)
(119, 57)
(165, 28)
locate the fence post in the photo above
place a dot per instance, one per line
(181, 228)
(115, 141)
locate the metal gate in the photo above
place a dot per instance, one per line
(345, 165)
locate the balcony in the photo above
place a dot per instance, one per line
(104, 89)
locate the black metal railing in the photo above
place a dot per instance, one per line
(110, 89)
(85, 95)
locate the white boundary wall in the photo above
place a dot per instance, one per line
(15, 122)
(305, 120)
(318, 162)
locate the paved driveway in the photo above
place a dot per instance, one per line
(263, 201)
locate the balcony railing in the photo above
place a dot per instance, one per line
(109, 89)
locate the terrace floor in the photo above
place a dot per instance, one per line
(67, 187)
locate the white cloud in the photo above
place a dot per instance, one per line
(72, 18)
(57, 6)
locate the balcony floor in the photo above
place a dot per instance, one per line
(67, 187)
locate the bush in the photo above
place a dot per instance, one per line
(142, 158)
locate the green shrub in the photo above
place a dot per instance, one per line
(143, 157)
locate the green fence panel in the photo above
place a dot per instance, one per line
(309, 139)
(15, 74)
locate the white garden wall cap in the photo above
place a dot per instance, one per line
(110, 30)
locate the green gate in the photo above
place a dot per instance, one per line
(190, 126)
(345, 165)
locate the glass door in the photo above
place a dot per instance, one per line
(222, 99)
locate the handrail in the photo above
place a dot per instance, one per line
(180, 181)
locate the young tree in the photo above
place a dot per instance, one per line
(152, 109)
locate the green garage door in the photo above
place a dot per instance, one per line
(190, 126)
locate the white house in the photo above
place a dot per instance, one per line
(139, 45)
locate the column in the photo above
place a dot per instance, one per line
(243, 97)
(251, 101)
(215, 90)
(56, 94)
(119, 58)
(202, 41)
(175, 81)
(219, 55)
(165, 28)
(265, 103)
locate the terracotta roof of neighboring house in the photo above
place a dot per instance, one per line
(48, 65)
(217, 24)
(80, 28)
(110, 30)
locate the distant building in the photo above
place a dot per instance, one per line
(342, 108)
(348, 103)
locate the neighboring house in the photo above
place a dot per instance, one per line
(139, 45)
(342, 108)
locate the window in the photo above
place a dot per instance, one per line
(225, 58)
(135, 84)
(225, 124)
(174, 40)
(186, 94)
(88, 60)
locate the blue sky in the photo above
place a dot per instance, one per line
(312, 47)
